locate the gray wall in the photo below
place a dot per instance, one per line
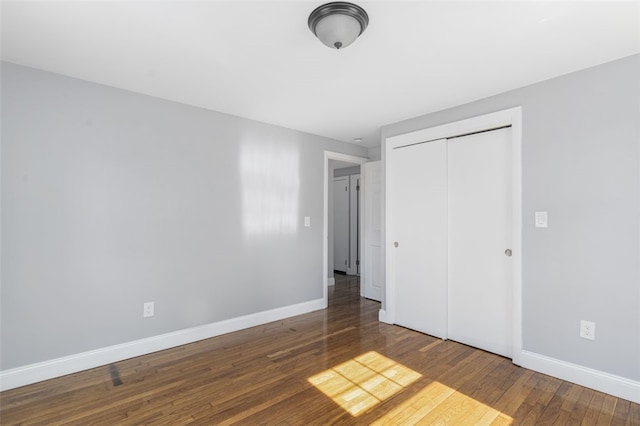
(375, 153)
(581, 163)
(111, 199)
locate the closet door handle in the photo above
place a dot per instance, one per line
(508, 252)
(395, 244)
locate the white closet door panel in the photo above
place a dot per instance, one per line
(480, 292)
(419, 217)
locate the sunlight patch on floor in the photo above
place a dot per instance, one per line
(364, 381)
(439, 404)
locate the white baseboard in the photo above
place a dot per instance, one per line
(584, 376)
(33, 373)
(618, 386)
(382, 316)
(331, 281)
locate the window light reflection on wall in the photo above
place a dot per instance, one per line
(270, 188)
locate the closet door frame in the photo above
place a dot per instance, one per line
(509, 117)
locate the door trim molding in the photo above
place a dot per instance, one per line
(355, 246)
(338, 266)
(509, 117)
(331, 155)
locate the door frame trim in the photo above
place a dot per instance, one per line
(508, 117)
(331, 155)
(355, 247)
(348, 248)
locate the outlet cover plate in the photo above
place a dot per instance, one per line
(147, 309)
(588, 330)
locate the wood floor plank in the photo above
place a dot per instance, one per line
(387, 375)
(607, 410)
(621, 413)
(634, 415)
(553, 407)
(568, 403)
(580, 409)
(514, 396)
(423, 403)
(431, 345)
(593, 410)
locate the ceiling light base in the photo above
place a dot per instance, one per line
(338, 24)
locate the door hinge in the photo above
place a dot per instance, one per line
(357, 263)
(358, 188)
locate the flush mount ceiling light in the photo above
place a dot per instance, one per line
(338, 24)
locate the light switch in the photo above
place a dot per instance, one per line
(307, 221)
(541, 220)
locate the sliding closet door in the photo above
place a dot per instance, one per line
(480, 228)
(419, 228)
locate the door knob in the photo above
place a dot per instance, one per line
(508, 252)
(395, 244)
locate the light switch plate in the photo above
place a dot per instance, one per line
(541, 220)
(307, 221)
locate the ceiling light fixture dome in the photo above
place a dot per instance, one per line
(338, 24)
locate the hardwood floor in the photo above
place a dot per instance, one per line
(338, 366)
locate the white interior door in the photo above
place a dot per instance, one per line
(418, 177)
(373, 260)
(340, 223)
(479, 232)
(353, 267)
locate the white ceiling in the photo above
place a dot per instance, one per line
(259, 60)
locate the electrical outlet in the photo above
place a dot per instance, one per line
(588, 330)
(147, 310)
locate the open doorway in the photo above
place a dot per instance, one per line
(344, 226)
(345, 218)
(342, 220)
